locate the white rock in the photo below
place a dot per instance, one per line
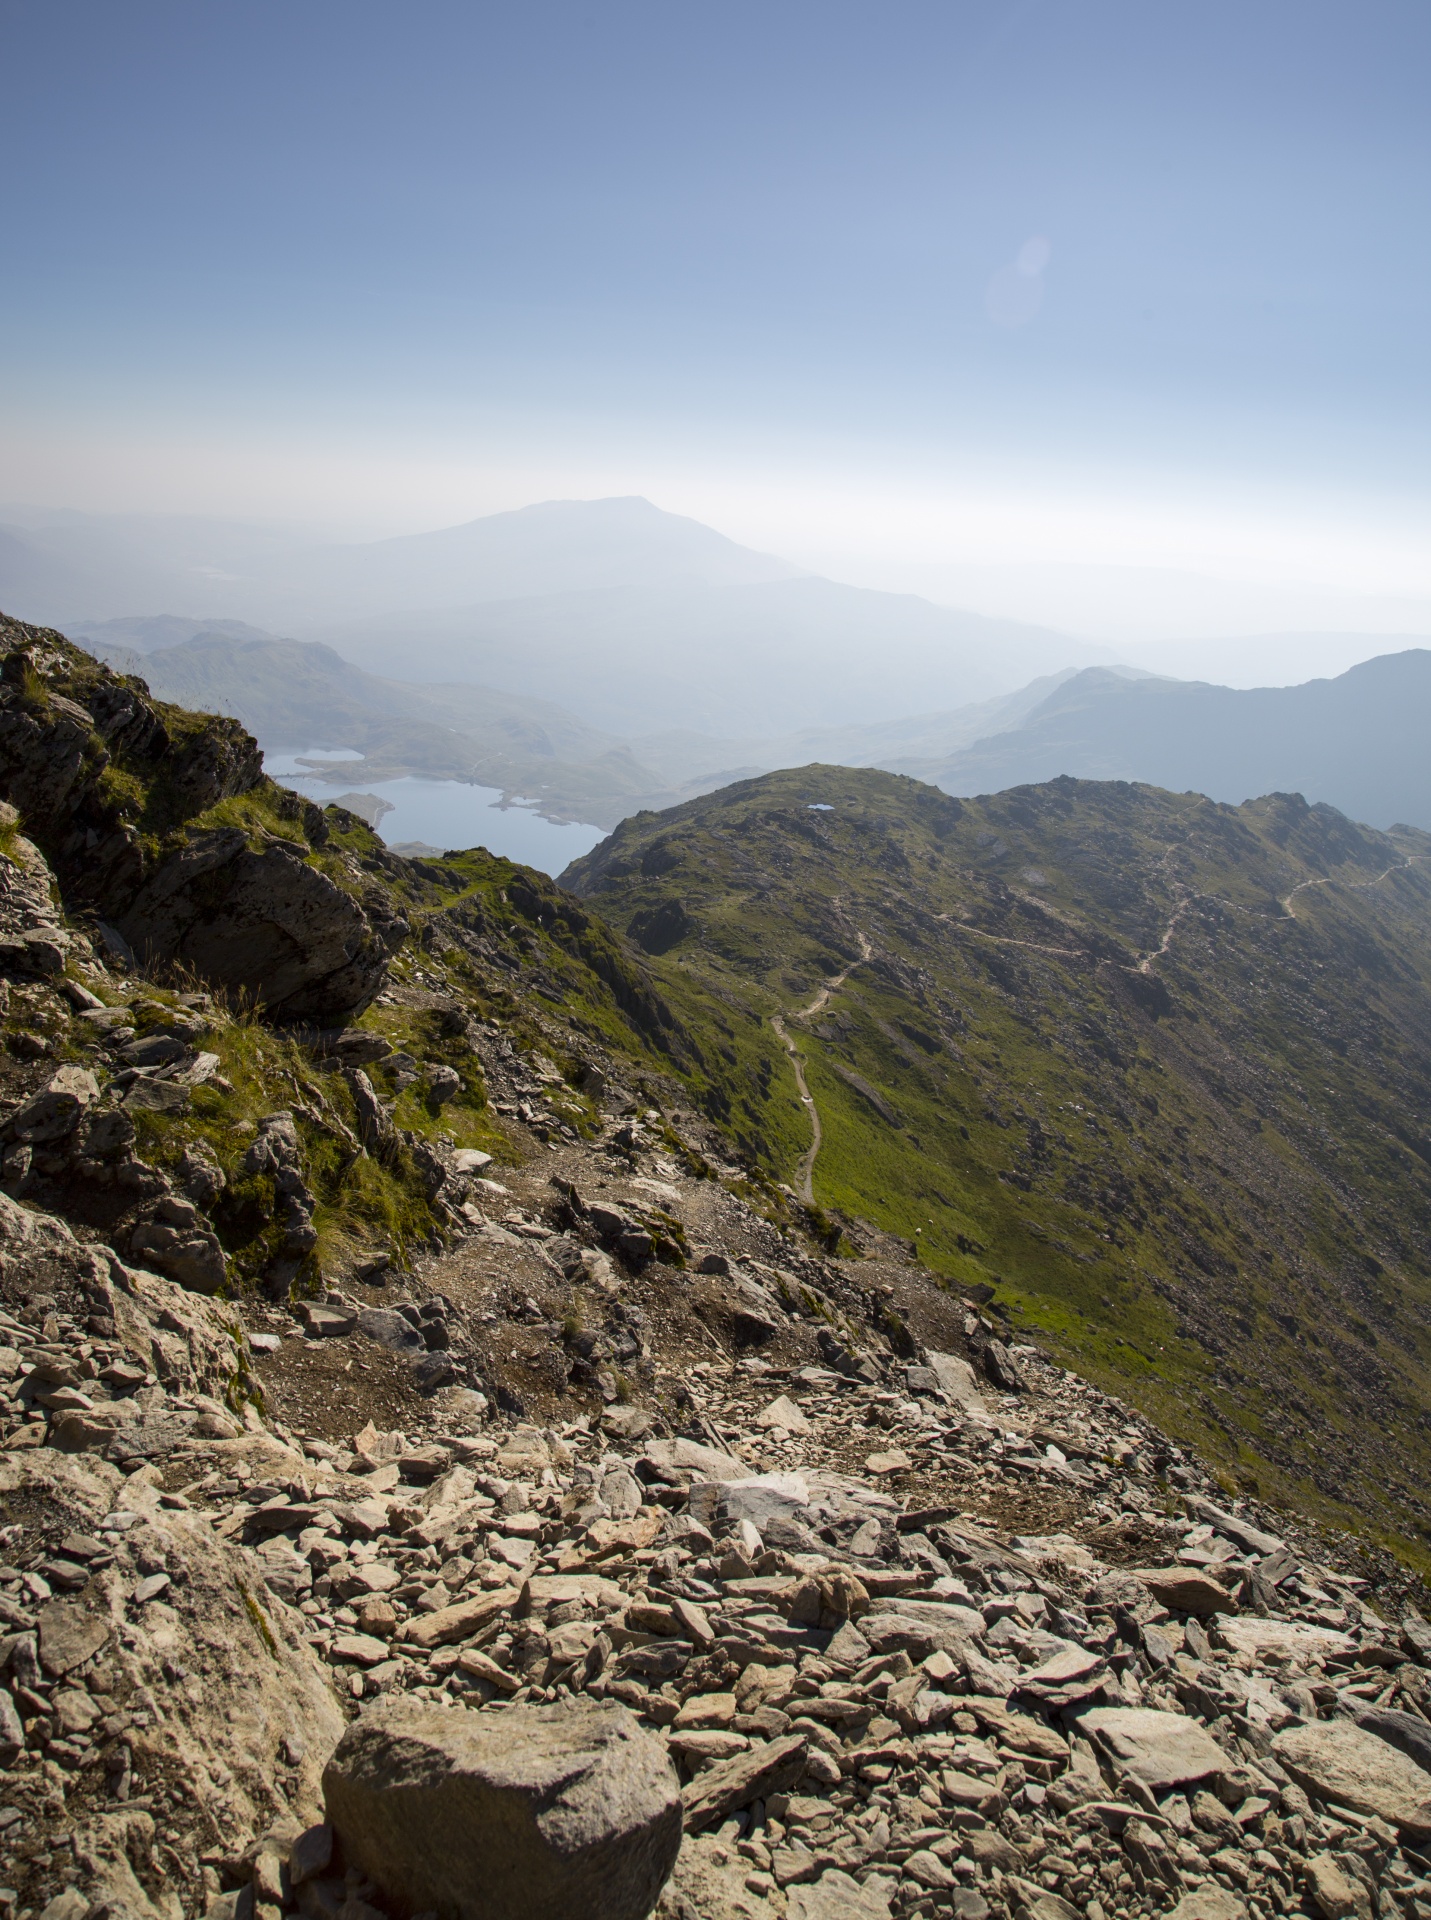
(782, 1413)
(1345, 1764)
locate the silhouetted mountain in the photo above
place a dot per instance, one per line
(1357, 742)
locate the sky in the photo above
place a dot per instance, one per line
(1022, 304)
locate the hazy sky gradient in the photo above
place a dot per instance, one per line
(923, 284)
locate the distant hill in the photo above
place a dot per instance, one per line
(146, 633)
(644, 620)
(1357, 742)
(1153, 1069)
(748, 661)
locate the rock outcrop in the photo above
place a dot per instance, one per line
(261, 919)
(114, 788)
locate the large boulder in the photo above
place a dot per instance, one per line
(534, 1813)
(248, 1713)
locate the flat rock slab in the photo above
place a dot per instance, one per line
(535, 1813)
(1162, 1750)
(702, 1463)
(1345, 1763)
(1406, 1731)
(554, 1589)
(772, 1767)
(329, 1323)
(835, 1896)
(70, 1635)
(957, 1379)
(361, 1648)
(1186, 1590)
(1282, 1639)
(449, 1625)
(784, 1414)
(1209, 1902)
(1075, 1663)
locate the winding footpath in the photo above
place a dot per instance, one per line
(805, 1175)
(1354, 886)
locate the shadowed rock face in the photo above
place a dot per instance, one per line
(539, 1813)
(108, 783)
(259, 919)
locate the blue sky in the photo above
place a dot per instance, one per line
(922, 284)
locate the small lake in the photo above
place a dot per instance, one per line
(445, 813)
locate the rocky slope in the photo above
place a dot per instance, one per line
(912, 1642)
(435, 1411)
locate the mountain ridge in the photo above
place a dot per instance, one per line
(1352, 740)
(1150, 1068)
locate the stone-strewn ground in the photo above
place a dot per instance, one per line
(939, 1632)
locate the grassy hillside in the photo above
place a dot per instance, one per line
(1155, 1070)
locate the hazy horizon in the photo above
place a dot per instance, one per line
(164, 565)
(1111, 323)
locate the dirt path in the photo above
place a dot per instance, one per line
(1354, 886)
(1008, 940)
(1145, 965)
(805, 1173)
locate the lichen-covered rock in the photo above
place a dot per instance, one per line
(537, 1813)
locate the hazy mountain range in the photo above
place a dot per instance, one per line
(602, 657)
(639, 619)
(1354, 741)
(298, 695)
(1357, 741)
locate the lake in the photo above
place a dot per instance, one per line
(445, 813)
